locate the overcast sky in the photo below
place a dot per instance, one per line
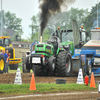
(25, 9)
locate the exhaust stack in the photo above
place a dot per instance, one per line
(41, 39)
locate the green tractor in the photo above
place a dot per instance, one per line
(53, 57)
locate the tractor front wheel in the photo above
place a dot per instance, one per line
(64, 64)
(25, 70)
(39, 70)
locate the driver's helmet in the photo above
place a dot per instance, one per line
(53, 39)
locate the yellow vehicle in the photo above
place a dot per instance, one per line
(5, 44)
(2, 64)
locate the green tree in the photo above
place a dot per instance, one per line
(12, 22)
(46, 35)
(91, 19)
(25, 40)
(64, 19)
(77, 14)
(34, 26)
(5, 34)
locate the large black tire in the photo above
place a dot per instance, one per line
(52, 64)
(88, 68)
(13, 66)
(25, 70)
(64, 64)
(28, 65)
(2, 65)
(39, 70)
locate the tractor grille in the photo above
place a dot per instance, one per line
(39, 45)
(48, 47)
(43, 52)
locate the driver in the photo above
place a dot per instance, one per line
(53, 40)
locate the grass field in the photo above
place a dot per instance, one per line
(6, 89)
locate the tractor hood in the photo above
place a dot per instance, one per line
(66, 43)
(44, 44)
(44, 49)
(92, 44)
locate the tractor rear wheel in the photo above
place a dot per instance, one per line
(39, 70)
(2, 65)
(64, 64)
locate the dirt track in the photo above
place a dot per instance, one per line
(86, 95)
(26, 78)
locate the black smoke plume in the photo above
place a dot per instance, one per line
(49, 7)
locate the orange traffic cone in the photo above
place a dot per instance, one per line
(92, 82)
(32, 84)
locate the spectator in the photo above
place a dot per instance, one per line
(33, 50)
(6, 59)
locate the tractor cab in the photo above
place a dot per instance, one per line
(5, 41)
(66, 35)
(78, 37)
(95, 39)
(95, 34)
